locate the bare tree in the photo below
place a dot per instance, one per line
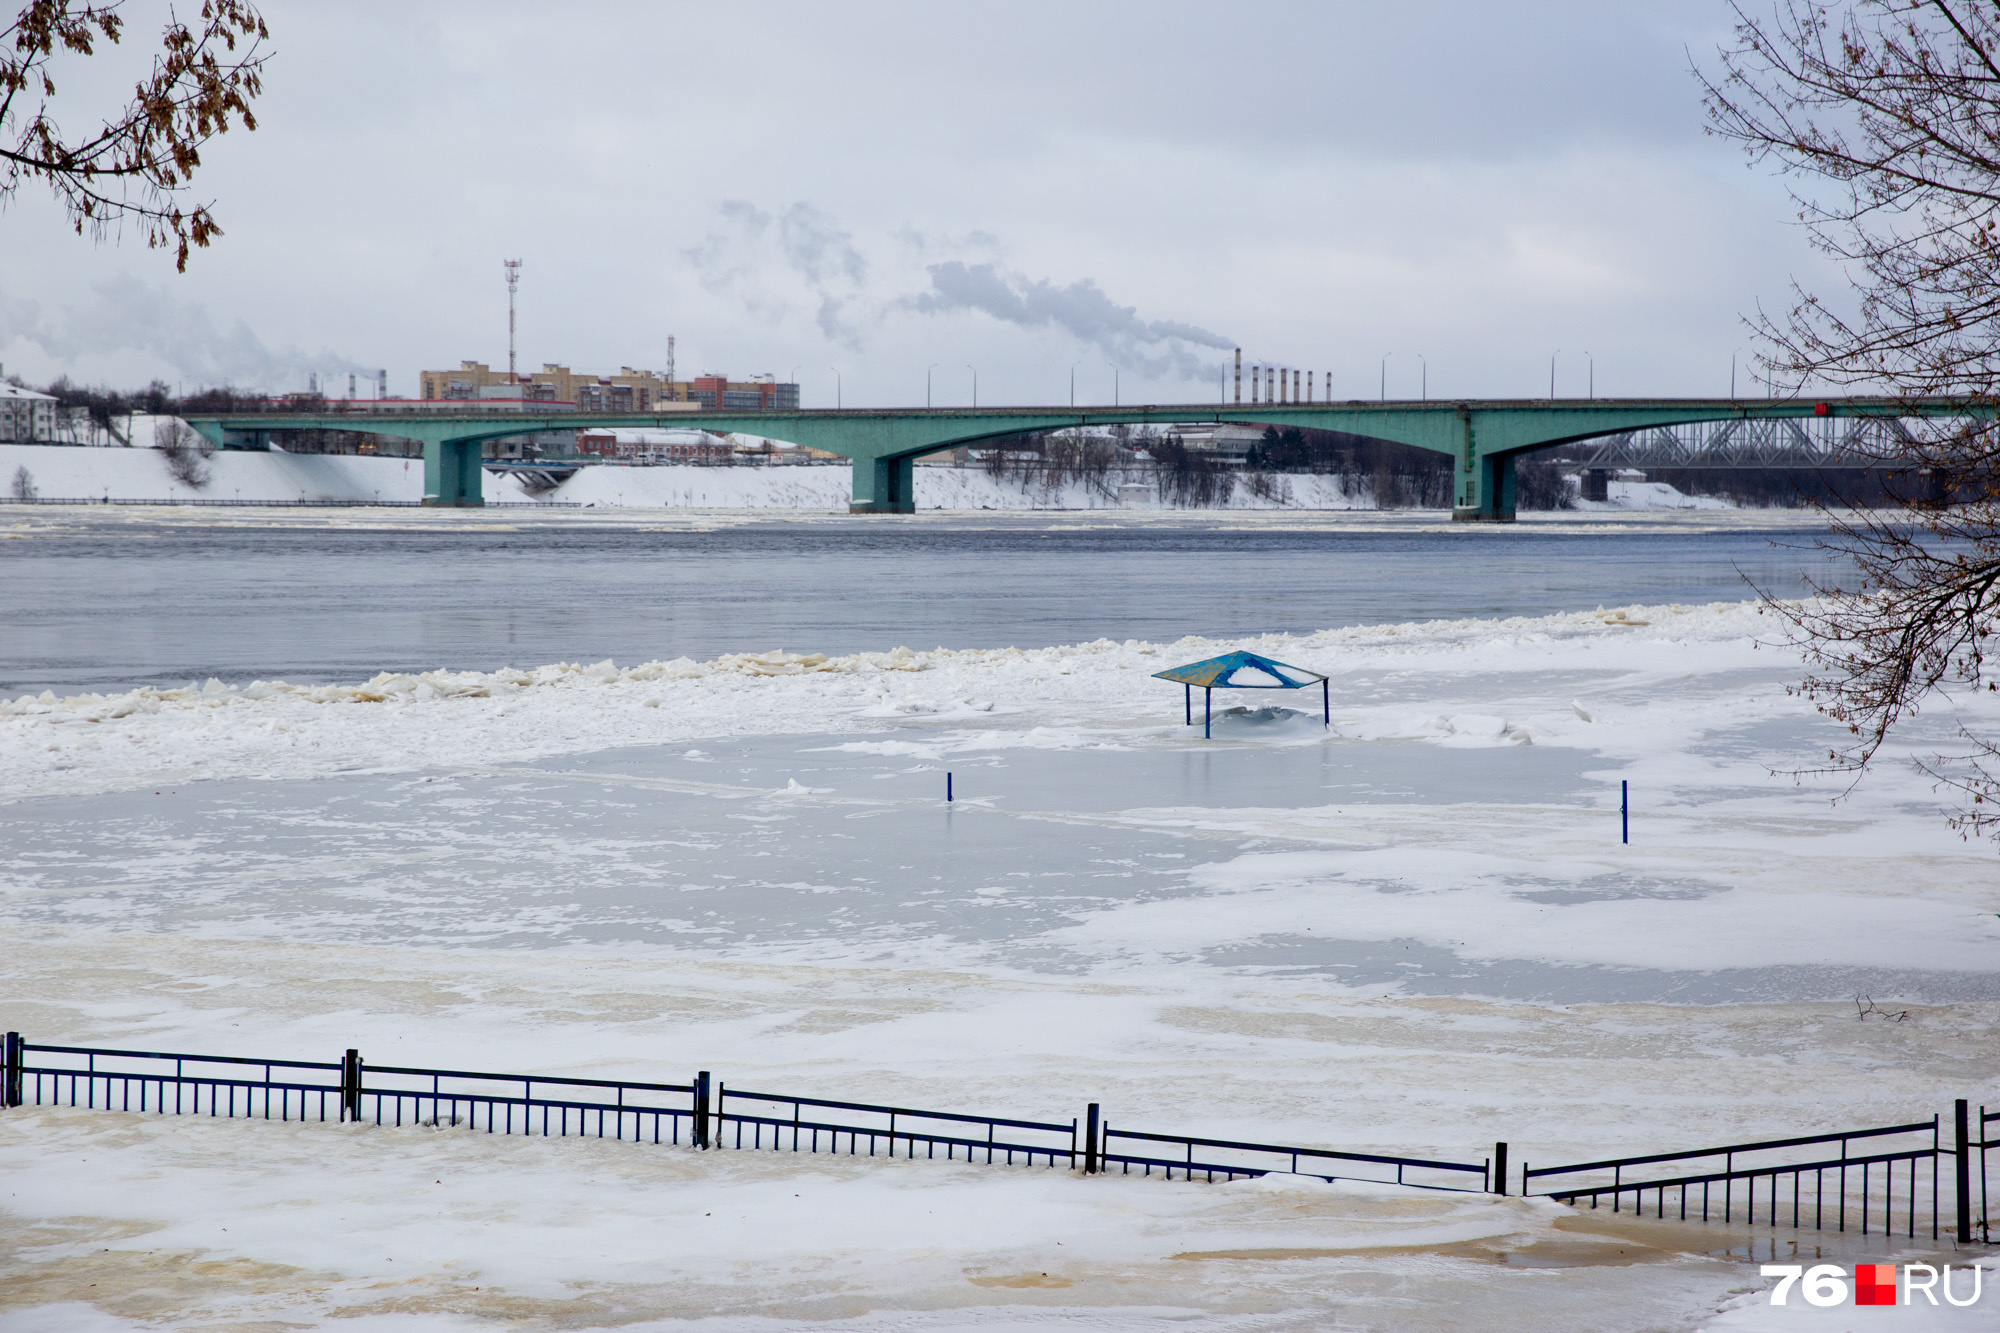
(24, 484)
(1886, 114)
(185, 451)
(137, 164)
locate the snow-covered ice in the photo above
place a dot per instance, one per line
(1417, 931)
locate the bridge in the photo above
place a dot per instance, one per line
(1483, 438)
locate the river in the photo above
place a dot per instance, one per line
(109, 599)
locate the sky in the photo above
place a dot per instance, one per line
(890, 200)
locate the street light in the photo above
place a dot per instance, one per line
(1592, 391)
(1114, 384)
(975, 382)
(836, 387)
(1732, 374)
(1072, 382)
(1552, 373)
(927, 381)
(1425, 379)
(1385, 375)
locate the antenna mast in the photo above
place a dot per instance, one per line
(513, 267)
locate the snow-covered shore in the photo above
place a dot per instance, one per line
(62, 473)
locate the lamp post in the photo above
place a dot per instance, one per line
(1732, 374)
(975, 382)
(836, 387)
(1072, 382)
(1552, 373)
(927, 382)
(1114, 384)
(1424, 381)
(1385, 375)
(1591, 391)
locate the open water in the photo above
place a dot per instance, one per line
(93, 604)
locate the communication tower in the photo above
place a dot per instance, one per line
(513, 267)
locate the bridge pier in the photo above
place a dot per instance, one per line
(453, 474)
(1485, 490)
(884, 486)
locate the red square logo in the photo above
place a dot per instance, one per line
(1875, 1284)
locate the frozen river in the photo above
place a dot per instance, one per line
(1416, 930)
(95, 600)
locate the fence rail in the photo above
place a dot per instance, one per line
(1232, 1160)
(885, 1126)
(1864, 1180)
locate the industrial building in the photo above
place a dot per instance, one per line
(636, 391)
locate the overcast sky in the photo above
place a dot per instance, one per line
(1019, 188)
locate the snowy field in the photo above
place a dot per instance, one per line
(1416, 933)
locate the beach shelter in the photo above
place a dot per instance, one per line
(1242, 671)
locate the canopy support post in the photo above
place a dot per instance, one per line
(1326, 701)
(1188, 699)
(1207, 713)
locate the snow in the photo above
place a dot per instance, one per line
(1416, 932)
(239, 476)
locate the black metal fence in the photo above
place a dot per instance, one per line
(817, 1125)
(1210, 1158)
(1985, 1137)
(1877, 1181)
(1864, 1179)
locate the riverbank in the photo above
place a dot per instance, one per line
(64, 473)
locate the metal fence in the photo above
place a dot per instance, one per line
(817, 1125)
(1878, 1181)
(1210, 1158)
(1863, 1178)
(1984, 1138)
(277, 504)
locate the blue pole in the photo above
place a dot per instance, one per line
(1624, 811)
(1187, 697)
(1207, 703)
(947, 788)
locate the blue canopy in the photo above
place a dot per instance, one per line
(1241, 671)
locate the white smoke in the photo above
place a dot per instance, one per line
(1080, 309)
(124, 314)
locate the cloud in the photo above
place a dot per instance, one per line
(1080, 309)
(125, 315)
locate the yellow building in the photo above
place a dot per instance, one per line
(639, 391)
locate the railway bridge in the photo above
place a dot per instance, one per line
(1482, 437)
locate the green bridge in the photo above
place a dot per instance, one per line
(1483, 438)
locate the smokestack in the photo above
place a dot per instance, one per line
(1256, 375)
(1309, 386)
(1295, 386)
(1239, 374)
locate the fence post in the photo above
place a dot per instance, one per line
(1962, 1153)
(10, 1071)
(701, 1109)
(1500, 1168)
(1090, 1140)
(350, 1085)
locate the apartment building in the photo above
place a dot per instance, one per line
(26, 415)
